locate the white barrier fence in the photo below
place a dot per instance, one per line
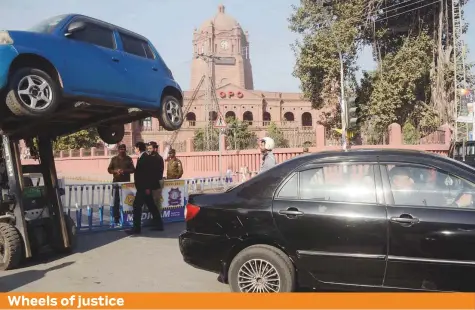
(90, 205)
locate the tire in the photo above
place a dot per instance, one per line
(111, 134)
(11, 251)
(264, 254)
(171, 113)
(20, 104)
(72, 236)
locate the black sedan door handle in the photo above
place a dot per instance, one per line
(405, 219)
(291, 212)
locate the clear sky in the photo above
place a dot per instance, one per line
(169, 25)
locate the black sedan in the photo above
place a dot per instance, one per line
(360, 220)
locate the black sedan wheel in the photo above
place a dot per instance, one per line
(261, 269)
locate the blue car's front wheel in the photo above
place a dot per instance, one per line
(171, 113)
(32, 92)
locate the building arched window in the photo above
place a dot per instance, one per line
(248, 117)
(307, 119)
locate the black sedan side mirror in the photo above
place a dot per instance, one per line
(75, 27)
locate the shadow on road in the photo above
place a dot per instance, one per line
(13, 281)
(90, 241)
(172, 230)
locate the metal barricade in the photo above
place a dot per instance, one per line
(91, 205)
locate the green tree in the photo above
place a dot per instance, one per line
(201, 143)
(82, 139)
(410, 134)
(275, 133)
(238, 135)
(413, 48)
(326, 32)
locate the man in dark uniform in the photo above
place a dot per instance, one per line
(152, 149)
(121, 166)
(144, 184)
(174, 167)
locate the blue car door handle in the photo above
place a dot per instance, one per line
(115, 59)
(154, 69)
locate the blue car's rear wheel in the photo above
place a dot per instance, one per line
(171, 113)
(111, 134)
(32, 92)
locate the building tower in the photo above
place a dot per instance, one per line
(222, 37)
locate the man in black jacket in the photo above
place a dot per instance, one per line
(145, 183)
(152, 149)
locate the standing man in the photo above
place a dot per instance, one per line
(121, 166)
(144, 184)
(152, 149)
(174, 167)
(268, 159)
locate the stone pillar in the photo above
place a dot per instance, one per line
(448, 133)
(81, 152)
(222, 140)
(93, 151)
(70, 153)
(395, 134)
(106, 151)
(320, 136)
(61, 154)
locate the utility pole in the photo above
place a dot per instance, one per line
(343, 104)
(461, 112)
(210, 90)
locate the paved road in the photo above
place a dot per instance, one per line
(113, 262)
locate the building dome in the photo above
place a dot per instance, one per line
(221, 21)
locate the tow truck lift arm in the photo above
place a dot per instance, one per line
(12, 211)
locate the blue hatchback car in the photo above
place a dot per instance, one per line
(74, 58)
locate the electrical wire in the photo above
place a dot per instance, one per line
(400, 7)
(407, 11)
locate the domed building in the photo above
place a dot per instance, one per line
(221, 49)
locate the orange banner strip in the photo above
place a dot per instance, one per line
(237, 301)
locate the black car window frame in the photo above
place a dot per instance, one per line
(144, 44)
(260, 181)
(96, 24)
(390, 196)
(288, 179)
(379, 199)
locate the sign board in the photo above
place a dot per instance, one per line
(220, 123)
(465, 119)
(226, 61)
(172, 202)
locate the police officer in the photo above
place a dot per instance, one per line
(121, 166)
(174, 167)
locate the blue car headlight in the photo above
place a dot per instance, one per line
(5, 38)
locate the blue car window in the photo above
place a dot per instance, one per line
(97, 35)
(136, 46)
